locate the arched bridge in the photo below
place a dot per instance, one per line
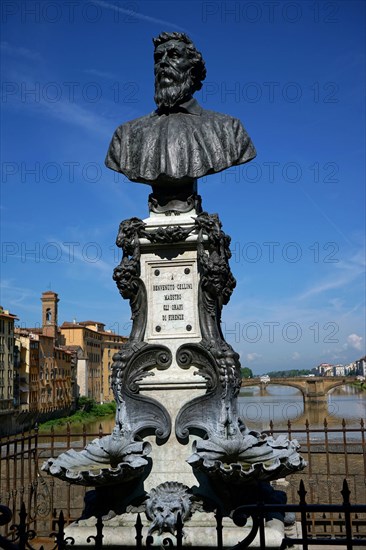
(313, 388)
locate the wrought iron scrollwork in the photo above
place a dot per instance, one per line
(20, 534)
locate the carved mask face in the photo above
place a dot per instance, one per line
(173, 80)
(165, 516)
(164, 504)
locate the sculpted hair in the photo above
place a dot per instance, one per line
(198, 72)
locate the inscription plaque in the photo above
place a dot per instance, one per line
(172, 295)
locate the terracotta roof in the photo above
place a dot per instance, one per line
(6, 313)
(68, 324)
(112, 334)
(91, 323)
(28, 330)
(61, 348)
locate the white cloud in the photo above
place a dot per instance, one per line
(70, 113)
(101, 74)
(344, 273)
(296, 356)
(20, 52)
(135, 14)
(253, 356)
(354, 341)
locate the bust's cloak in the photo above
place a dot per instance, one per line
(180, 145)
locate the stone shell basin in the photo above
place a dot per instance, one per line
(111, 459)
(250, 457)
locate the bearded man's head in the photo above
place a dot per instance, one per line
(179, 69)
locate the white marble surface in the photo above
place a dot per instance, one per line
(172, 297)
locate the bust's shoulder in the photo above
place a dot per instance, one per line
(140, 121)
(220, 117)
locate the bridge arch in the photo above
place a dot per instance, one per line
(313, 389)
(337, 384)
(275, 382)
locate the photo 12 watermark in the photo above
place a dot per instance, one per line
(265, 172)
(292, 252)
(271, 12)
(53, 92)
(291, 332)
(69, 11)
(270, 92)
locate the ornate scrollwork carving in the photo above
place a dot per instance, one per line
(120, 457)
(215, 359)
(169, 234)
(216, 280)
(142, 414)
(214, 413)
(229, 452)
(164, 203)
(127, 275)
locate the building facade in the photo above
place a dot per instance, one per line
(111, 344)
(45, 369)
(7, 357)
(94, 366)
(28, 369)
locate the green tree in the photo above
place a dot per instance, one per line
(246, 372)
(85, 403)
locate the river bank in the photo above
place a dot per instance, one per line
(87, 412)
(360, 385)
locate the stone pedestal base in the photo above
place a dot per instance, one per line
(179, 445)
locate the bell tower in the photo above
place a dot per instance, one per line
(49, 313)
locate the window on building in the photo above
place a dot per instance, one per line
(48, 316)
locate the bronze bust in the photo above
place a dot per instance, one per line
(180, 141)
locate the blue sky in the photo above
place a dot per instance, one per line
(293, 72)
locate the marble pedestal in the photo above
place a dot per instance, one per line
(179, 446)
(171, 277)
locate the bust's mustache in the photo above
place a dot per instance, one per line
(167, 70)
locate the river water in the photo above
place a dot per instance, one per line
(283, 403)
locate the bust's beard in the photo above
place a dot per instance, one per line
(167, 96)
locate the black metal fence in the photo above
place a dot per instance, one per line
(20, 536)
(332, 453)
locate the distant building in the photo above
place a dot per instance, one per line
(90, 377)
(27, 343)
(111, 344)
(324, 369)
(62, 394)
(45, 369)
(339, 370)
(49, 314)
(98, 347)
(45, 373)
(7, 356)
(78, 371)
(55, 364)
(360, 366)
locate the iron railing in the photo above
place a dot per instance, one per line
(332, 454)
(20, 535)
